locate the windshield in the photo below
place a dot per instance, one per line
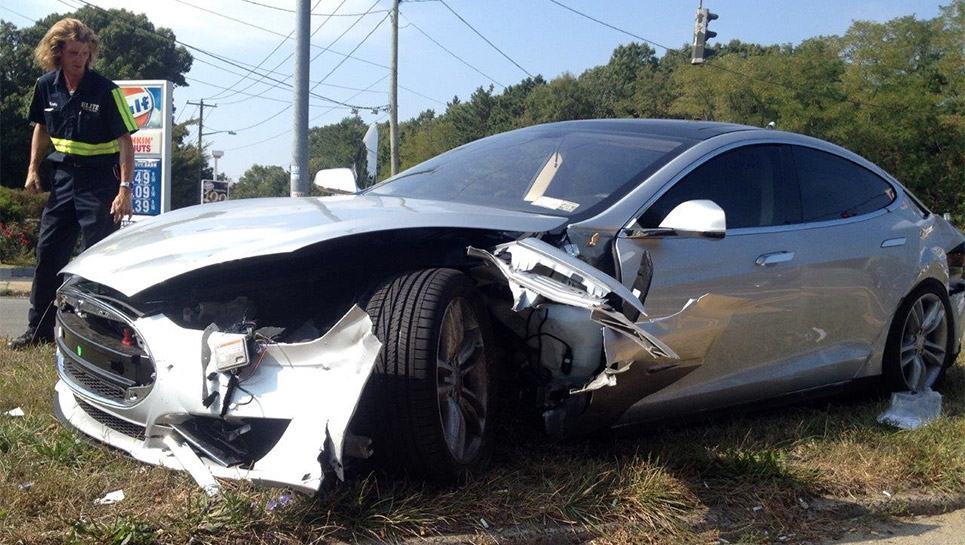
(560, 171)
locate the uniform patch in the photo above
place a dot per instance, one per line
(90, 107)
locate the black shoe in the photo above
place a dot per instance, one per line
(30, 338)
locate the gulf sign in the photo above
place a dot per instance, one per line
(146, 106)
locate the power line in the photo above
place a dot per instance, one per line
(485, 39)
(367, 36)
(268, 56)
(5, 8)
(226, 60)
(457, 57)
(288, 131)
(286, 10)
(608, 25)
(437, 101)
(290, 55)
(324, 50)
(273, 99)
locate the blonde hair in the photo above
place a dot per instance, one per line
(50, 50)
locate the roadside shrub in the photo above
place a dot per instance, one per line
(19, 225)
(18, 242)
(17, 206)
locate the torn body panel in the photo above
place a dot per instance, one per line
(538, 272)
(270, 421)
(592, 344)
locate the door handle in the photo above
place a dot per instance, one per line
(773, 258)
(893, 242)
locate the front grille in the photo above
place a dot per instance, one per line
(101, 356)
(92, 383)
(117, 424)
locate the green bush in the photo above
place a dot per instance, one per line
(18, 206)
(19, 225)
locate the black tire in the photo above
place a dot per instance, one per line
(431, 420)
(919, 348)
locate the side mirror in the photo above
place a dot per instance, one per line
(339, 181)
(691, 219)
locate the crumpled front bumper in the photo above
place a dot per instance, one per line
(307, 391)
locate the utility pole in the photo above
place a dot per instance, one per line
(201, 105)
(299, 166)
(394, 91)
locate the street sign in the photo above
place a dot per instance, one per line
(214, 191)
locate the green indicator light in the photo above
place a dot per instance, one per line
(79, 351)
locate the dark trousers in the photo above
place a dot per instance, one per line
(80, 203)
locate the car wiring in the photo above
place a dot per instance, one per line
(567, 364)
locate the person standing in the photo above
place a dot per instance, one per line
(86, 119)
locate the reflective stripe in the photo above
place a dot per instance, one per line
(74, 147)
(125, 110)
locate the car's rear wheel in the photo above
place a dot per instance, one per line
(919, 345)
(432, 386)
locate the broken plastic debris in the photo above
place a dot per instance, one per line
(27, 485)
(802, 503)
(110, 498)
(910, 411)
(15, 412)
(281, 501)
(886, 493)
(484, 524)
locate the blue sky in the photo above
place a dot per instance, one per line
(446, 48)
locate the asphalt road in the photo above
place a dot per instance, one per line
(13, 316)
(947, 529)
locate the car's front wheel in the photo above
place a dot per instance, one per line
(919, 345)
(432, 387)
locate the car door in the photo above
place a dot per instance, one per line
(858, 258)
(753, 272)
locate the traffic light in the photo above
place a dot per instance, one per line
(701, 34)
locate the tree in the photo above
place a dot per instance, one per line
(338, 145)
(905, 77)
(471, 119)
(509, 106)
(626, 85)
(188, 168)
(262, 181)
(561, 100)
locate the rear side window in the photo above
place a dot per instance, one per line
(834, 188)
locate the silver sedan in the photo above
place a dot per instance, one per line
(611, 272)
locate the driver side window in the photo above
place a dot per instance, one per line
(747, 183)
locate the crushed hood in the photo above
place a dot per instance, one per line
(188, 239)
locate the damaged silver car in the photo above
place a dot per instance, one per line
(612, 271)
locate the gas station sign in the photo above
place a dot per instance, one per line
(151, 104)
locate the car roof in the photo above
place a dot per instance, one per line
(677, 128)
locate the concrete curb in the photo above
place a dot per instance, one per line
(16, 273)
(16, 281)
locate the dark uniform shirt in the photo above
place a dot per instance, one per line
(83, 127)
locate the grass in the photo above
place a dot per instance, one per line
(746, 478)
